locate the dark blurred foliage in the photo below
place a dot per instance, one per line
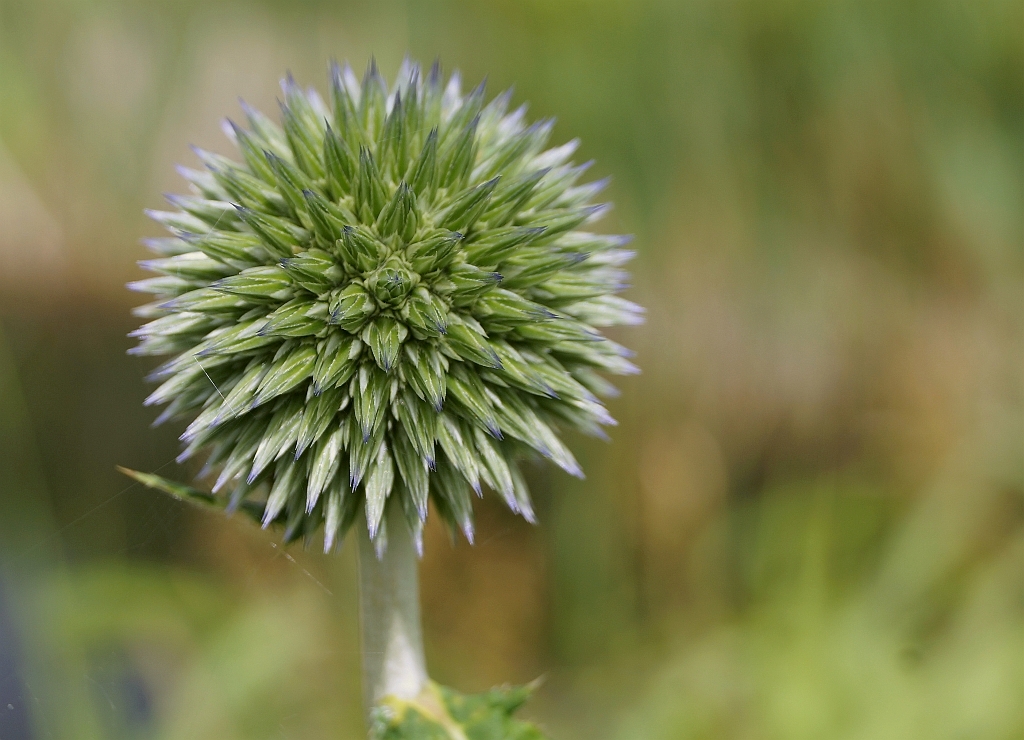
(810, 521)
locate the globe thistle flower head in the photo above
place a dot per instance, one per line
(393, 296)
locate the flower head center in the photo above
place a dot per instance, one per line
(392, 282)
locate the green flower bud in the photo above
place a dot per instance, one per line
(350, 307)
(392, 296)
(391, 282)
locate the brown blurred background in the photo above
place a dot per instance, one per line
(810, 521)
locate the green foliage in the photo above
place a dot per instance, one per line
(441, 713)
(320, 298)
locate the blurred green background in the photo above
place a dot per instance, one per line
(810, 521)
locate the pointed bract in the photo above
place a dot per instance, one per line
(389, 295)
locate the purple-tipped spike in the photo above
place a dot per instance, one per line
(288, 84)
(478, 92)
(574, 470)
(434, 76)
(164, 416)
(596, 212)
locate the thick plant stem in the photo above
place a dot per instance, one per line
(389, 615)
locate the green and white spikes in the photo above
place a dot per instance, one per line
(391, 298)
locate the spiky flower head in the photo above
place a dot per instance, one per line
(393, 296)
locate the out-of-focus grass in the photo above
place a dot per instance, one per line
(809, 658)
(810, 521)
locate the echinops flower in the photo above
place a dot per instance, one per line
(392, 298)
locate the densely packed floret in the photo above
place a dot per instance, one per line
(391, 298)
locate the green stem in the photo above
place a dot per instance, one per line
(389, 601)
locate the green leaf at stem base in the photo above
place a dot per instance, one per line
(441, 713)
